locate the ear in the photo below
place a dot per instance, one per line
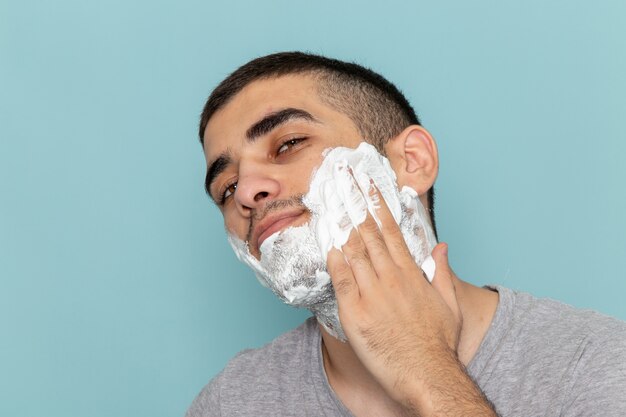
(414, 158)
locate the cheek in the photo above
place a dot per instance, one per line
(237, 228)
(301, 180)
(300, 186)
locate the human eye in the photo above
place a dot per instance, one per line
(228, 191)
(289, 144)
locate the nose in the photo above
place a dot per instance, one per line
(254, 190)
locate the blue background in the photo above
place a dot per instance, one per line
(119, 295)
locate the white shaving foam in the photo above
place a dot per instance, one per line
(293, 261)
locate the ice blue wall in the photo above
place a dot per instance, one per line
(118, 293)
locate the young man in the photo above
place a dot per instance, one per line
(413, 348)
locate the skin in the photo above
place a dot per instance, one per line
(408, 341)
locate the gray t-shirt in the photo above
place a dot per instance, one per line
(539, 358)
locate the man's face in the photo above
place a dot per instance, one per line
(261, 150)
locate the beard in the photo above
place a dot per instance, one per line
(293, 261)
(292, 266)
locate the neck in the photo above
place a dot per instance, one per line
(344, 369)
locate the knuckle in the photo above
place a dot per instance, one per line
(400, 247)
(342, 287)
(340, 270)
(369, 226)
(354, 244)
(358, 259)
(397, 242)
(394, 232)
(377, 247)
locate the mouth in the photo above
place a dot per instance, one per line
(272, 224)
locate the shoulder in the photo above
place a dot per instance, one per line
(260, 376)
(581, 352)
(542, 354)
(543, 318)
(594, 345)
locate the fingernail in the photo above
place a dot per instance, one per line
(372, 191)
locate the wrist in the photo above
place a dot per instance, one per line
(443, 387)
(438, 370)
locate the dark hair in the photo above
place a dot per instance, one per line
(378, 109)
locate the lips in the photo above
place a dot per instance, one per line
(272, 224)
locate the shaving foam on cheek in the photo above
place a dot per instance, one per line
(340, 196)
(293, 261)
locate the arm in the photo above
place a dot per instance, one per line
(404, 330)
(599, 379)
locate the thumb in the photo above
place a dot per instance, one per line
(440, 256)
(443, 281)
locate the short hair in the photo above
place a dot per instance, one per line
(377, 107)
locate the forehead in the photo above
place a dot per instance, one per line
(256, 100)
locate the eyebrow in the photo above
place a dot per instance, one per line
(258, 129)
(273, 120)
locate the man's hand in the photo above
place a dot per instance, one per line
(403, 329)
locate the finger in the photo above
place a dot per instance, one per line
(443, 281)
(375, 246)
(391, 233)
(360, 262)
(346, 288)
(354, 249)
